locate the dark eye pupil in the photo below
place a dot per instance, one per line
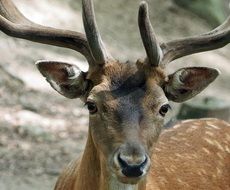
(92, 108)
(164, 109)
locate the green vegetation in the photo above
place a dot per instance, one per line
(210, 10)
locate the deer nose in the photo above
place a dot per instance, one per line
(132, 167)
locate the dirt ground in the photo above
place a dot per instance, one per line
(40, 131)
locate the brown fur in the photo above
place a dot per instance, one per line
(192, 155)
(188, 156)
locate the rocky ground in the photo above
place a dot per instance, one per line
(40, 131)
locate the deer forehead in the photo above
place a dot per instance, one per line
(125, 84)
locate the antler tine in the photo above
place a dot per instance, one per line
(9, 11)
(14, 24)
(152, 47)
(217, 38)
(93, 36)
(224, 26)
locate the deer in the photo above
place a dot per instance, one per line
(127, 147)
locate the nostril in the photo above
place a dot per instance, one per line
(131, 160)
(122, 162)
(134, 170)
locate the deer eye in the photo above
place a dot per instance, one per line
(164, 109)
(91, 107)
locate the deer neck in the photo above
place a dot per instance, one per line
(93, 173)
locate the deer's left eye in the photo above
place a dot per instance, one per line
(91, 107)
(164, 109)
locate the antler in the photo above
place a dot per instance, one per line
(14, 24)
(172, 50)
(217, 38)
(152, 47)
(94, 39)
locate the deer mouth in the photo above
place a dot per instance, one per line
(127, 180)
(130, 181)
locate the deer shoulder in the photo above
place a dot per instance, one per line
(193, 154)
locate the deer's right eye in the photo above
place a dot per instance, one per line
(164, 109)
(91, 107)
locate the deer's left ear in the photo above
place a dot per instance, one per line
(188, 82)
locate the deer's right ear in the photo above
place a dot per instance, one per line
(65, 78)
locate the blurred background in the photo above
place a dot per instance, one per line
(41, 131)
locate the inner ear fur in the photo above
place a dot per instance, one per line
(188, 82)
(65, 78)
